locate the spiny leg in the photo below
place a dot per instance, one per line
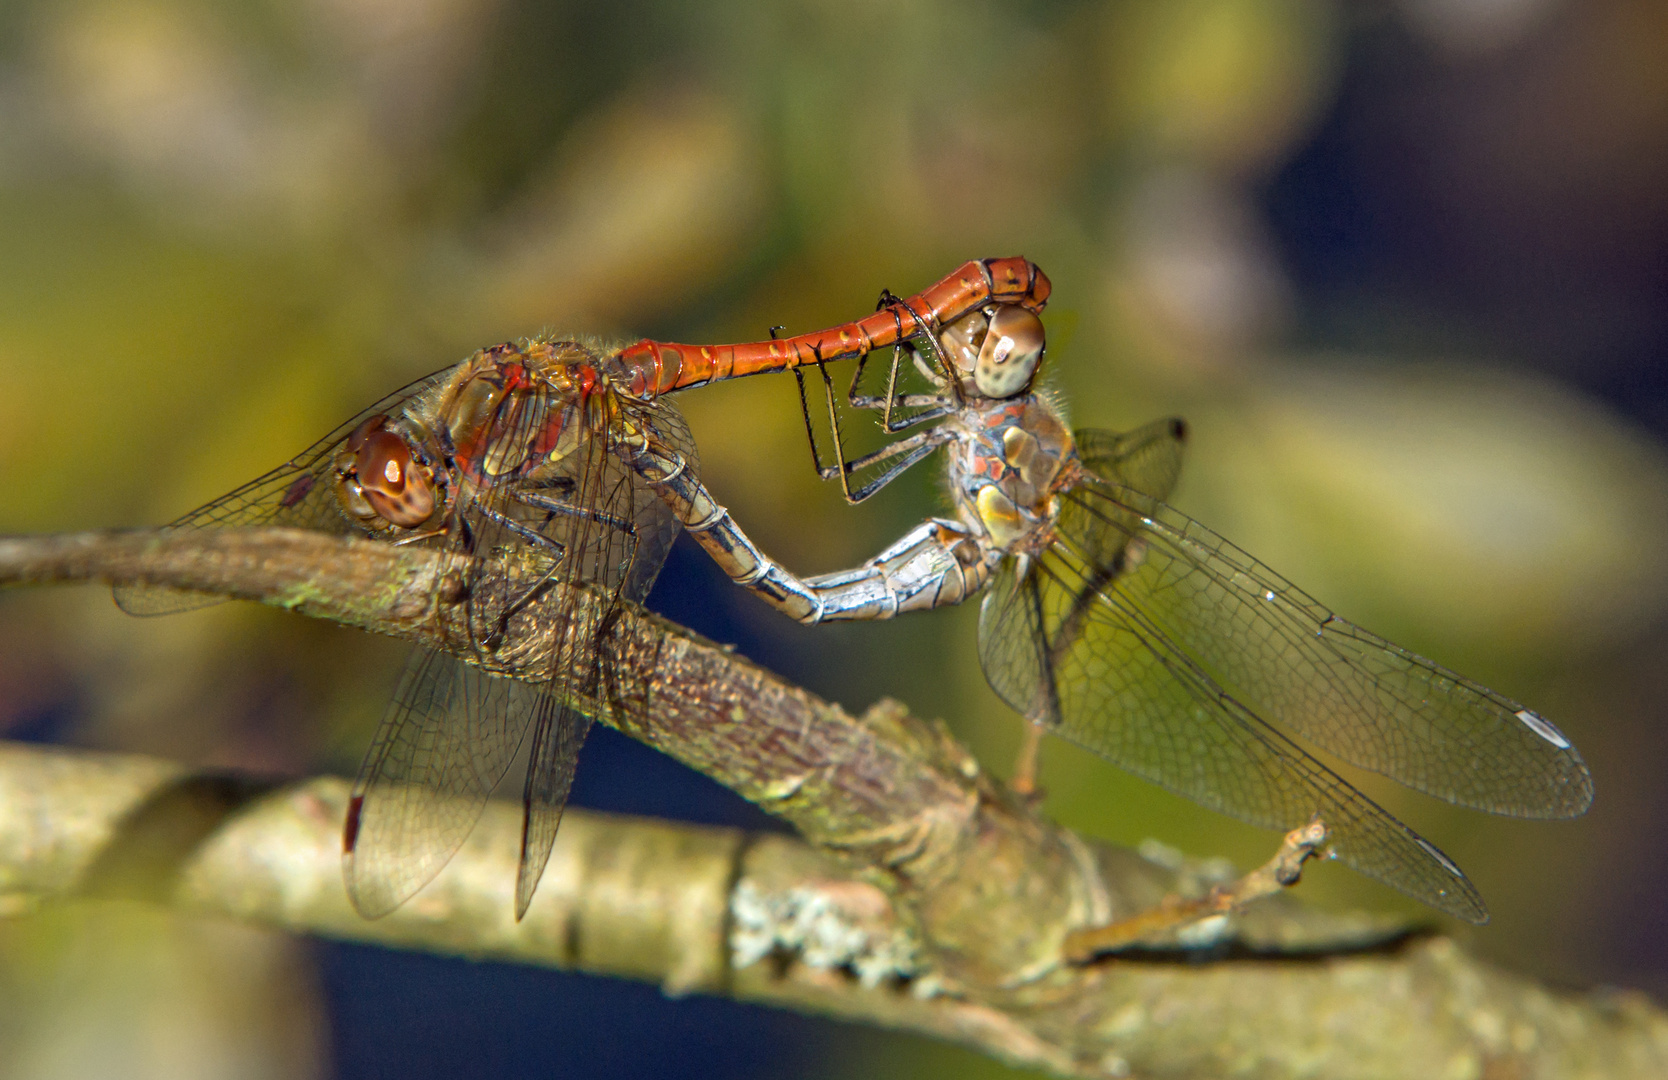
(937, 405)
(823, 471)
(537, 539)
(556, 507)
(911, 450)
(557, 551)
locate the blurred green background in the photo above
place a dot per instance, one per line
(1402, 264)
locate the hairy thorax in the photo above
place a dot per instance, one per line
(1005, 477)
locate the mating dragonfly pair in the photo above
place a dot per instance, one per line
(1108, 617)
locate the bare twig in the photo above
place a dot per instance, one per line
(932, 900)
(1198, 920)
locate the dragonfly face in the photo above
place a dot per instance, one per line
(384, 478)
(995, 350)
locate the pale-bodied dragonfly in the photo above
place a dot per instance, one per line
(1112, 619)
(541, 452)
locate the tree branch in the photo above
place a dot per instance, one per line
(932, 900)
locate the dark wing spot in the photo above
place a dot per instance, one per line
(297, 491)
(350, 834)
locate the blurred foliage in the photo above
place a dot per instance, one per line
(224, 227)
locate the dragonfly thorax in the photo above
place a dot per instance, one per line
(1005, 476)
(514, 409)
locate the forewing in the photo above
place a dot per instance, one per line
(1078, 658)
(297, 494)
(613, 534)
(426, 777)
(1353, 693)
(1148, 459)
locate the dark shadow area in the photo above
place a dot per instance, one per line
(1235, 950)
(147, 850)
(415, 1017)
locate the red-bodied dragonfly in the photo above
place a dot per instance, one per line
(1121, 624)
(557, 454)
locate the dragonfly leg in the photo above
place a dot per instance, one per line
(552, 547)
(910, 450)
(1168, 923)
(922, 346)
(842, 469)
(415, 538)
(937, 404)
(935, 564)
(493, 638)
(557, 507)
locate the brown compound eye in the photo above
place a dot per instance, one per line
(1010, 353)
(389, 478)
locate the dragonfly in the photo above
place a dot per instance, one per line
(1112, 619)
(558, 456)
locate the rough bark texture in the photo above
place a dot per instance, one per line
(927, 898)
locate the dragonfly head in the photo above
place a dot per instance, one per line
(995, 350)
(382, 478)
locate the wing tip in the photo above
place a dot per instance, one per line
(1580, 791)
(372, 899)
(1459, 897)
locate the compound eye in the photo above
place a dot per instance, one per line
(1010, 353)
(399, 489)
(959, 341)
(367, 427)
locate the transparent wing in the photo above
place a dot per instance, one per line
(584, 520)
(1353, 693)
(1070, 651)
(1148, 459)
(583, 514)
(557, 737)
(299, 494)
(427, 775)
(615, 546)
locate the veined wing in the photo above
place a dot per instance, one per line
(615, 534)
(1372, 703)
(1069, 649)
(582, 520)
(427, 775)
(299, 493)
(1148, 459)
